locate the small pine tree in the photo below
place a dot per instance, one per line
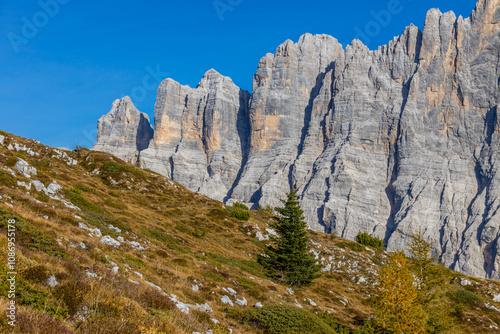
(287, 259)
(420, 255)
(397, 306)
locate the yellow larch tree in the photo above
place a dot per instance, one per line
(398, 309)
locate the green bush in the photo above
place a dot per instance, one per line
(75, 197)
(281, 320)
(35, 298)
(240, 205)
(6, 179)
(249, 266)
(238, 213)
(31, 237)
(114, 194)
(84, 188)
(214, 276)
(464, 297)
(266, 208)
(351, 245)
(115, 204)
(367, 240)
(116, 170)
(333, 323)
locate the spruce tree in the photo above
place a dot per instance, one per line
(287, 259)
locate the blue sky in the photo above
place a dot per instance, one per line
(64, 62)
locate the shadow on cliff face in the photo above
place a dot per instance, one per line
(243, 128)
(485, 170)
(145, 133)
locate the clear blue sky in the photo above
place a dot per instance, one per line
(57, 79)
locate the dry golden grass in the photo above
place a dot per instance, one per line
(190, 240)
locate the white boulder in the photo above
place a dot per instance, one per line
(242, 301)
(24, 168)
(108, 240)
(52, 281)
(53, 188)
(226, 300)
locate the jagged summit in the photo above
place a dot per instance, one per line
(124, 130)
(382, 141)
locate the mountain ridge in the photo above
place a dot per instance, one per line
(383, 141)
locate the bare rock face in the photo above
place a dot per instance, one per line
(285, 89)
(124, 131)
(383, 141)
(201, 134)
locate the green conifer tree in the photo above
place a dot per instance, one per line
(420, 257)
(287, 259)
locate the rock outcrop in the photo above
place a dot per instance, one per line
(201, 134)
(383, 141)
(124, 131)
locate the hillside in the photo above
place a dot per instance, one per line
(105, 247)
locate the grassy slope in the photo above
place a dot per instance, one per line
(189, 240)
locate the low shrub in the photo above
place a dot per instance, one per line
(180, 261)
(114, 194)
(333, 323)
(351, 245)
(37, 274)
(240, 206)
(75, 197)
(32, 321)
(152, 298)
(464, 297)
(115, 204)
(238, 213)
(11, 161)
(72, 294)
(117, 170)
(84, 188)
(367, 240)
(31, 237)
(214, 276)
(133, 261)
(281, 320)
(266, 208)
(6, 179)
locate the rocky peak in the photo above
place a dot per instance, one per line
(124, 131)
(213, 80)
(202, 133)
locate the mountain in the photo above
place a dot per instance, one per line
(383, 141)
(105, 247)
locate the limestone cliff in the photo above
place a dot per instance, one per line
(124, 131)
(384, 141)
(201, 134)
